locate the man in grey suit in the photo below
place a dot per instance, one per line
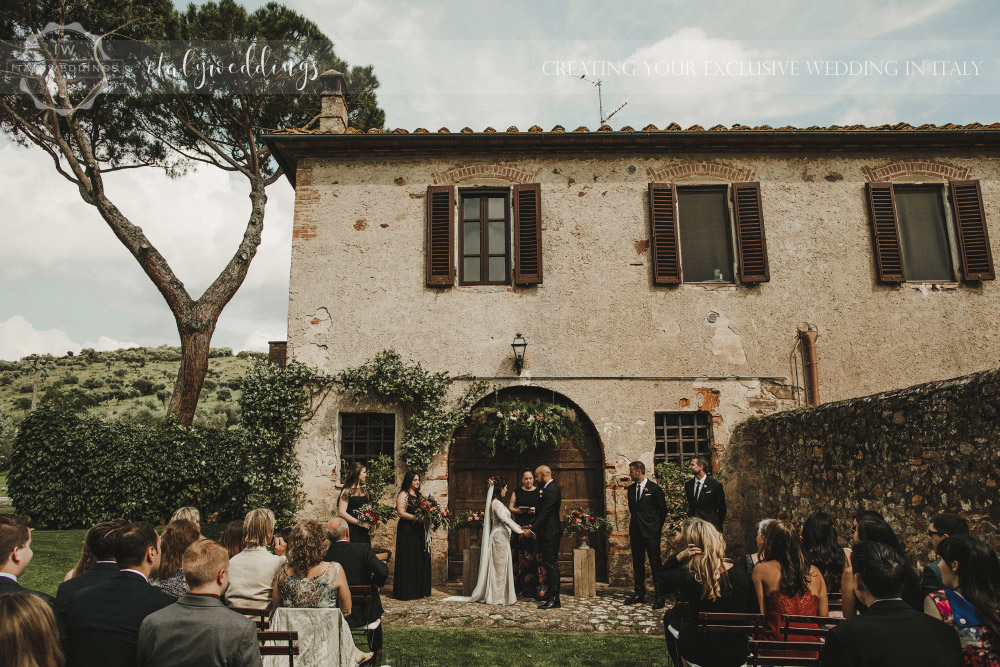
(199, 630)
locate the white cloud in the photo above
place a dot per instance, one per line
(19, 338)
(258, 341)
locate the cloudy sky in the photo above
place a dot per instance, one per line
(67, 283)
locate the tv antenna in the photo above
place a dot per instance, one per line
(600, 100)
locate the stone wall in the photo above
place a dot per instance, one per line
(908, 454)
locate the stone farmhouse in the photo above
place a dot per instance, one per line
(669, 283)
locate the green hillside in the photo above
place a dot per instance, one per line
(135, 383)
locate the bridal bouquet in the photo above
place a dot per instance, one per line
(582, 521)
(431, 514)
(376, 514)
(473, 520)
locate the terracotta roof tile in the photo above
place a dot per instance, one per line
(674, 127)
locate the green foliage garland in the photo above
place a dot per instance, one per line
(429, 426)
(519, 426)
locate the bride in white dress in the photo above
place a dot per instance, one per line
(495, 584)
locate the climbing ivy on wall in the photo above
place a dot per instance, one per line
(429, 422)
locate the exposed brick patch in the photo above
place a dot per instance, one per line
(689, 168)
(361, 225)
(914, 166)
(466, 173)
(305, 198)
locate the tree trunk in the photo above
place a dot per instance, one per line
(196, 340)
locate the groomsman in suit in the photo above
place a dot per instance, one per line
(706, 499)
(547, 527)
(648, 508)
(102, 622)
(362, 568)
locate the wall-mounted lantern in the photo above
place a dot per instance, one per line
(519, 344)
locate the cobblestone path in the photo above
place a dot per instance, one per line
(604, 613)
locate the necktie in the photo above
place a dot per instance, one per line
(697, 490)
(638, 492)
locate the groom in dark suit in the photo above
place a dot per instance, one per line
(648, 508)
(706, 499)
(547, 527)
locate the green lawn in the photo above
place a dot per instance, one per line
(56, 551)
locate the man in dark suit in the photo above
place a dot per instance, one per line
(547, 527)
(100, 543)
(647, 507)
(199, 629)
(705, 497)
(890, 633)
(102, 622)
(15, 555)
(362, 568)
(943, 525)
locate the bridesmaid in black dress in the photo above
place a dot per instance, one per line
(412, 578)
(529, 580)
(352, 499)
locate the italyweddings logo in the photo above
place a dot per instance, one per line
(65, 68)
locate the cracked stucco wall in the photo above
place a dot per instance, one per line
(358, 287)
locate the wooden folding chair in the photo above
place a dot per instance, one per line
(746, 624)
(766, 653)
(824, 625)
(259, 616)
(835, 601)
(289, 648)
(361, 596)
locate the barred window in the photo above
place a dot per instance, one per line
(366, 435)
(681, 436)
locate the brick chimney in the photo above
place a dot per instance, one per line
(333, 109)
(277, 352)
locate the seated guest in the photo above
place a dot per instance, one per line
(199, 629)
(362, 568)
(871, 529)
(177, 537)
(190, 513)
(86, 561)
(102, 622)
(890, 633)
(943, 525)
(970, 599)
(15, 554)
(749, 561)
(785, 582)
(822, 548)
(306, 580)
(252, 571)
(706, 582)
(100, 543)
(28, 634)
(232, 537)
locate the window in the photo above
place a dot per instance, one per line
(910, 236)
(706, 243)
(485, 237)
(681, 436)
(366, 435)
(692, 232)
(490, 221)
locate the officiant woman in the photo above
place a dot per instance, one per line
(529, 580)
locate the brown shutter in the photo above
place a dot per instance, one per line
(664, 235)
(440, 235)
(527, 234)
(751, 246)
(970, 228)
(885, 233)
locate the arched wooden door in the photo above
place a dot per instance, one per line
(578, 468)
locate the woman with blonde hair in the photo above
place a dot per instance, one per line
(190, 513)
(252, 571)
(705, 582)
(29, 636)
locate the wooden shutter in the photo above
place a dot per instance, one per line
(751, 246)
(440, 235)
(970, 228)
(664, 235)
(527, 234)
(885, 233)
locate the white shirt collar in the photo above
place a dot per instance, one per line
(547, 483)
(9, 576)
(128, 569)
